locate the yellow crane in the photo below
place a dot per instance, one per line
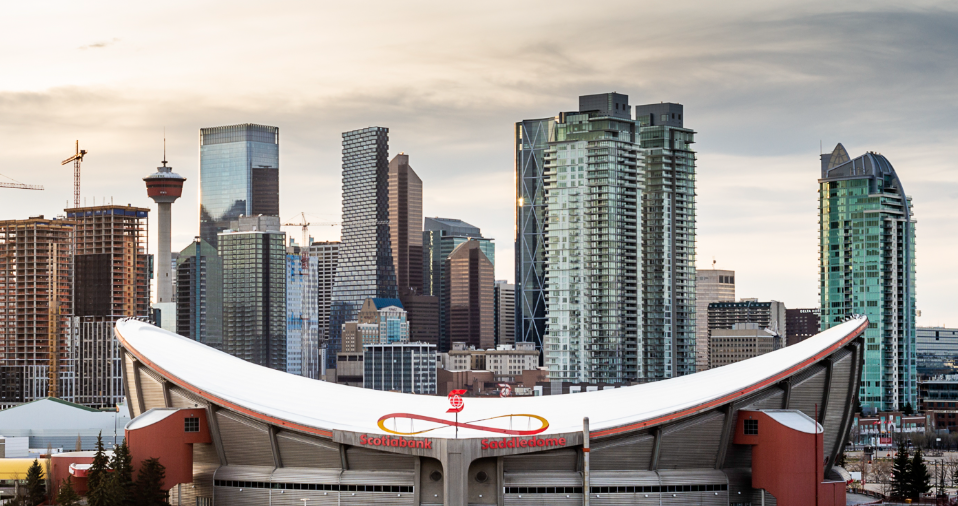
(18, 185)
(76, 159)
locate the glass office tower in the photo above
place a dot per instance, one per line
(468, 296)
(668, 241)
(532, 138)
(405, 225)
(867, 262)
(592, 183)
(440, 237)
(365, 265)
(254, 291)
(239, 175)
(199, 308)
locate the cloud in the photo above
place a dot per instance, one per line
(97, 45)
(762, 85)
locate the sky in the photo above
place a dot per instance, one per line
(766, 86)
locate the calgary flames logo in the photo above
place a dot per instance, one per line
(457, 405)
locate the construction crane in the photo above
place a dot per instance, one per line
(305, 226)
(76, 159)
(18, 185)
(304, 259)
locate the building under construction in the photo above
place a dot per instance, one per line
(111, 282)
(36, 296)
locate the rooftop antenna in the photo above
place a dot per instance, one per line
(164, 146)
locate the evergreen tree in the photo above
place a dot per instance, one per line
(908, 410)
(36, 487)
(149, 483)
(122, 489)
(901, 473)
(67, 496)
(98, 479)
(918, 482)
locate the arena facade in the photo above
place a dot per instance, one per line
(266, 437)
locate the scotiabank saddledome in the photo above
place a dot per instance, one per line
(735, 435)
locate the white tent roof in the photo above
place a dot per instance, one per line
(279, 397)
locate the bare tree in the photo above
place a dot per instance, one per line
(863, 467)
(951, 464)
(881, 471)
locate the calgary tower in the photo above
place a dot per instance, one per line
(164, 186)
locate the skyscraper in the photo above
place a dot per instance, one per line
(668, 241)
(505, 313)
(239, 175)
(365, 268)
(867, 262)
(440, 237)
(199, 307)
(711, 285)
(592, 182)
(253, 252)
(110, 282)
(405, 224)
(406, 239)
(324, 257)
(532, 137)
(36, 299)
(468, 296)
(302, 340)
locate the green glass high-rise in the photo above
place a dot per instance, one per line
(668, 241)
(592, 183)
(867, 263)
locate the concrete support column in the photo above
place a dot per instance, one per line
(456, 480)
(586, 478)
(164, 276)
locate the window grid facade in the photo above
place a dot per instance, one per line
(254, 296)
(365, 266)
(711, 285)
(592, 182)
(402, 367)
(668, 242)
(867, 262)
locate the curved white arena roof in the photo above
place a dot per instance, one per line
(320, 407)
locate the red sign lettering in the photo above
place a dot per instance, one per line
(396, 442)
(498, 444)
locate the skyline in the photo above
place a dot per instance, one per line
(760, 91)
